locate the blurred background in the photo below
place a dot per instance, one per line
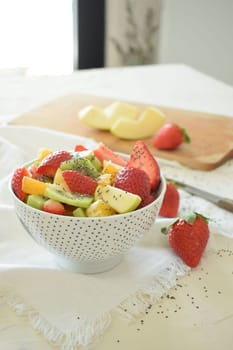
(57, 37)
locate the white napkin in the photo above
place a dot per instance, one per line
(70, 309)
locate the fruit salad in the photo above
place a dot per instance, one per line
(88, 182)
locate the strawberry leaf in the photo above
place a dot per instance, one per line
(187, 138)
(189, 217)
(202, 216)
(164, 230)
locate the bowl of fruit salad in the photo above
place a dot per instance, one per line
(88, 207)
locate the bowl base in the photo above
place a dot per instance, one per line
(89, 267)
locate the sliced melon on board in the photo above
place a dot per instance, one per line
(145, 126)
(103, 119)
(94, 117)
(118, 109)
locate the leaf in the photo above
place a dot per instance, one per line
(164, 230)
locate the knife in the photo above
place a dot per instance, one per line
(224, 203)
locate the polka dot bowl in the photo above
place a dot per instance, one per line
(90, 244)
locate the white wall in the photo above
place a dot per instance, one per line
(198, 33)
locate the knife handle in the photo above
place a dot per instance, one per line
(226, 203)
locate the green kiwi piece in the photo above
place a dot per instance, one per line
(89, 155)
(83, 165)
(36, 201)
(45, 178)
(95, 161)
(79, 212)
(75, 199)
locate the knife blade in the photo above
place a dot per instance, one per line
(221, 202)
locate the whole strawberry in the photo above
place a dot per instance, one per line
(188, 237)
(170, 136)
(16, 182)
(171, 202)
(136, 181)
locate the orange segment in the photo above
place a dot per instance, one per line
(43, 153)
(33, 186)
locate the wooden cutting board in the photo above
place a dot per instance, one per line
(211, 135)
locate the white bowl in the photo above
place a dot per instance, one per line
(90, 244)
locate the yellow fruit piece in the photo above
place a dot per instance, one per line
(119, 109)
(98, 191)
(106, 179)
(100, 208)
(121, 201)
(95, 117)
(43, 153)
(59, 180)
(33, 186)
(104, 118)
(110, 168)
(149, 122)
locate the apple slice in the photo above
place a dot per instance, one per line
(146, 125)
(121, 201)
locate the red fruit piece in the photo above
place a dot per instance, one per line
(188, 238)
(33, 171)
(51, 163)
(136, 181)
(102, 152)
(54, 207)
(142, 158)
(146, 201)
(170, 136)
(79, 183)
(171, 201)
(80, 148)
(16, 182)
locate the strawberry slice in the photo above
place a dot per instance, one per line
(16, 182)
(51, 163)
(102, 152)
(142, 158)
(171, 201)
(79, 148)
(79, 183)
(136, 181)
(54, 207)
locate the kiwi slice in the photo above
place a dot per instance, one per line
(83, 165)
(36, 201)
(80, 212)
(88, 154)
(75, 199)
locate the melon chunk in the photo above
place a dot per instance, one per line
(104, 118)
(118, 109)
(95, 117)
(149, 122)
